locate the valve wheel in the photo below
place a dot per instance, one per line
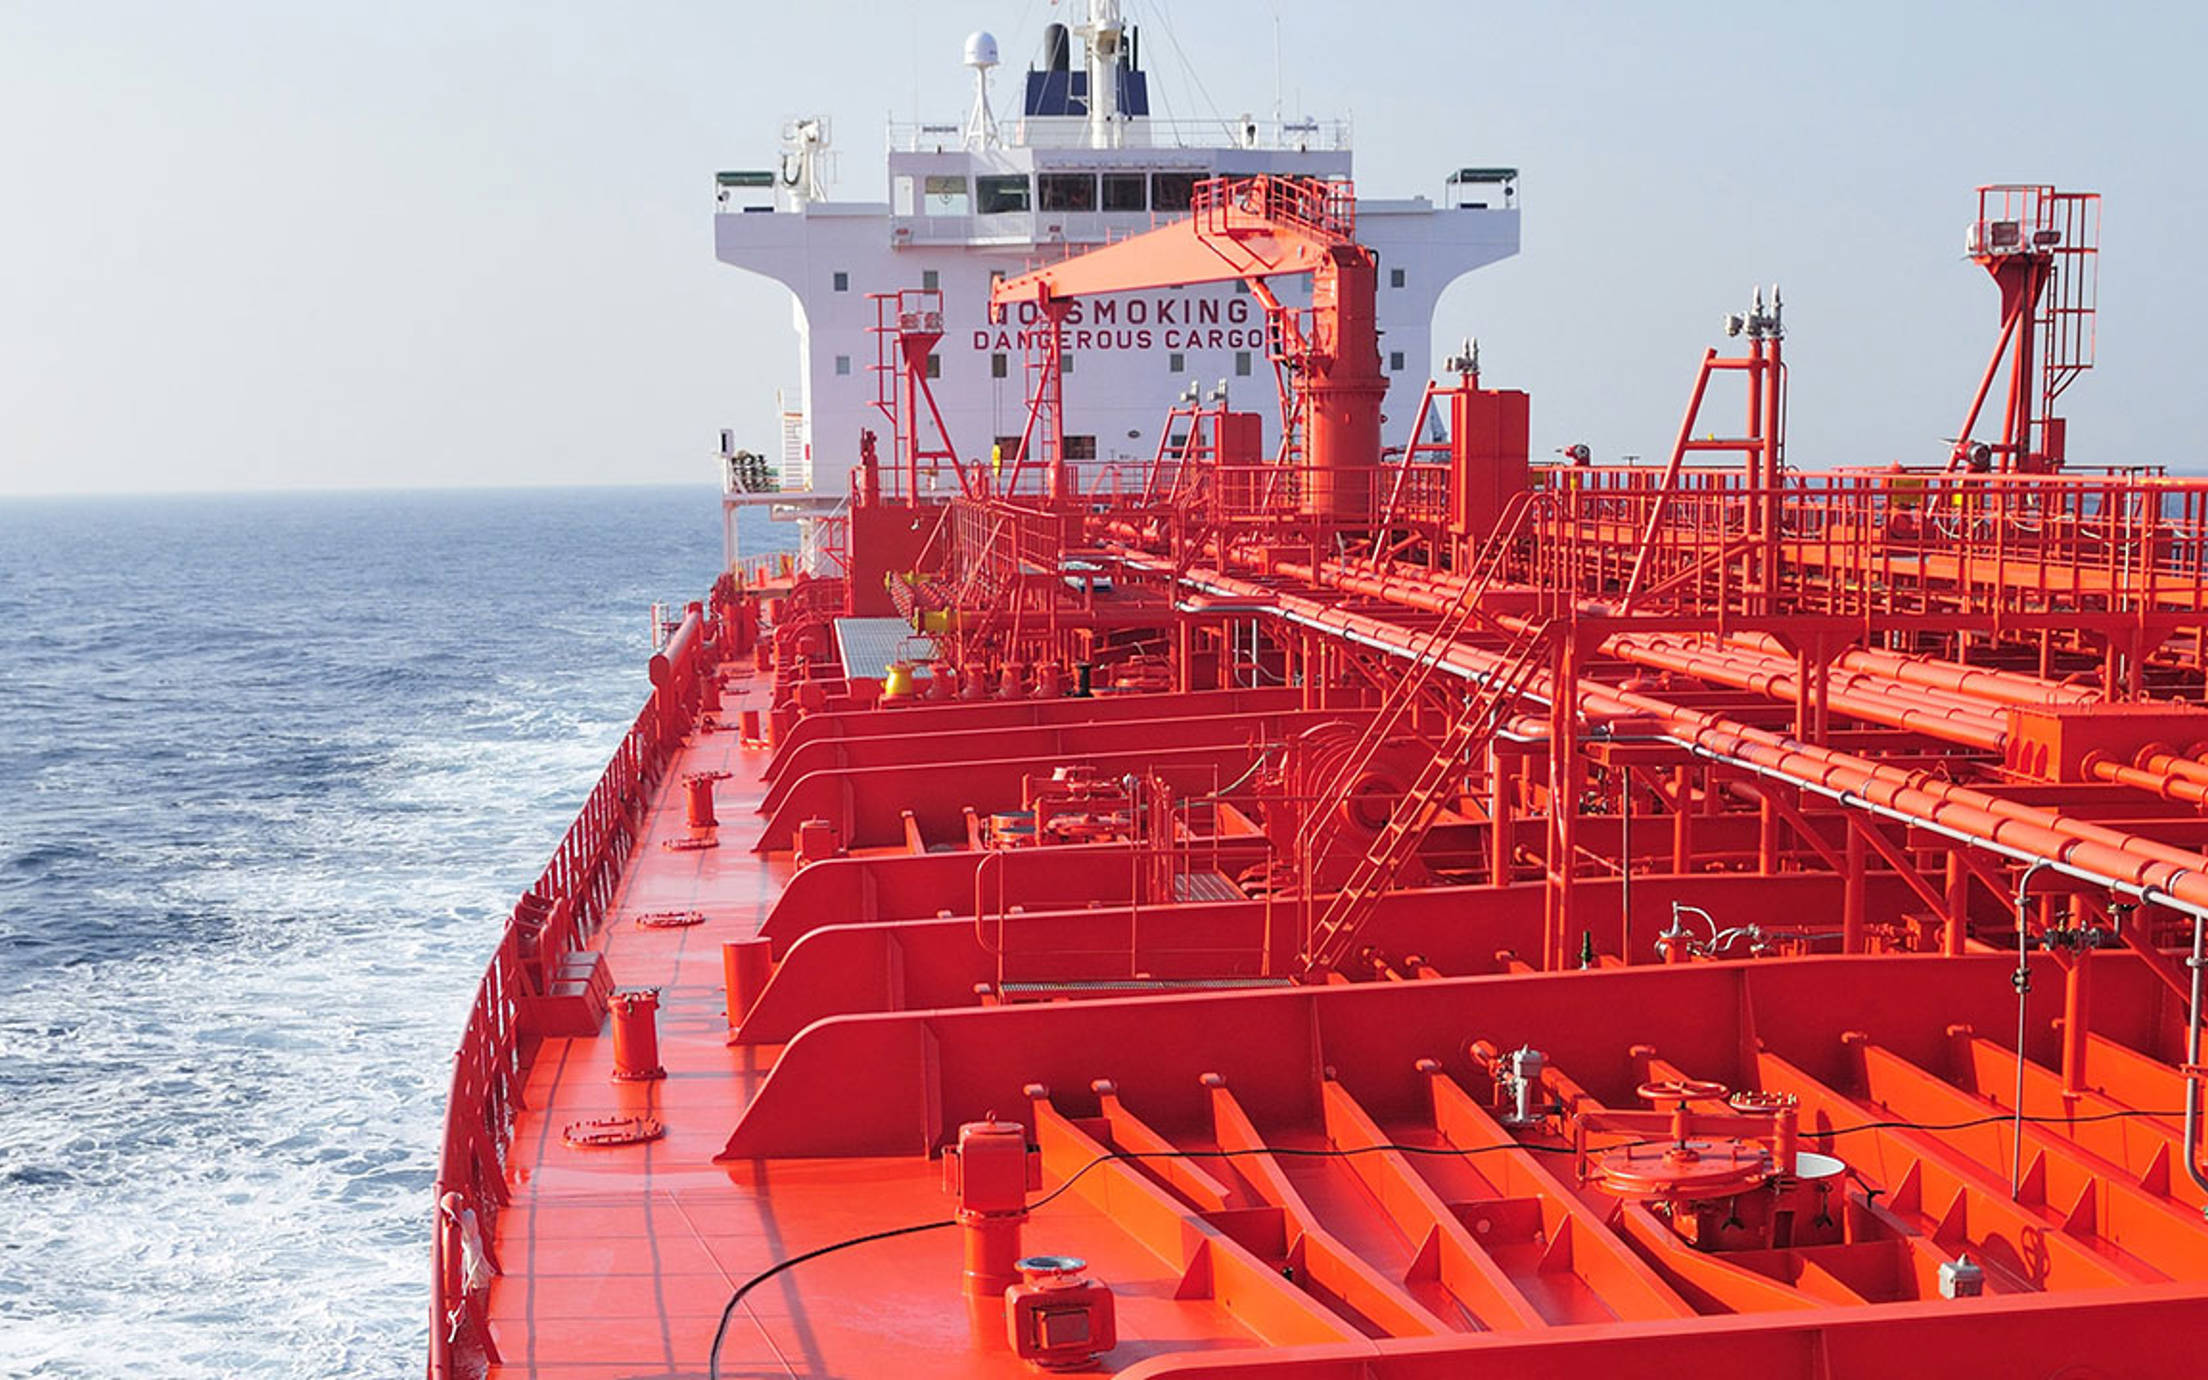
(1680, 1090)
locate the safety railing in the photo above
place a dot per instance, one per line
(554, 918)
(1870, 541)
(1227, 204)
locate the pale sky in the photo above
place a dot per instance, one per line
(319, 244)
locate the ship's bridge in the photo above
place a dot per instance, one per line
(1060, 192)
(1082, 162)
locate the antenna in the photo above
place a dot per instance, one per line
(1280, 77)
(981, 55)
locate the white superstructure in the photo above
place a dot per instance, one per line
(1082, 162)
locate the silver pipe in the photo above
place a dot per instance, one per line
(2023, 980)
(2198, 963)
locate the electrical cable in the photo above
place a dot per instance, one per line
(735, 1299)
(728, 1310)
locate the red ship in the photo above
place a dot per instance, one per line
(1332, 910)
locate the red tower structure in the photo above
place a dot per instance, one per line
(2043, 249)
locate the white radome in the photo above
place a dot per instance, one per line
(981, 49)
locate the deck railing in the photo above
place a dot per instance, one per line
(1873, 541)
(553, 919)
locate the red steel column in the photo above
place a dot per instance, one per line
(1958, 904)
(1499, 826)
(1851, 904)
(1682, 829)
(2077, 1001)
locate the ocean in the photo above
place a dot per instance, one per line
(272, 770)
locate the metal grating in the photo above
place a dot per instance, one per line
(1206, 886)
(869, 645)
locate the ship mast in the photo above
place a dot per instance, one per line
(1102, 36)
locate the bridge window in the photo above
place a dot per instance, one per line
(1242, 363)
(1175, 362)
(999, 366)
(1395, 361)
(1172, 191)
(931, 280)
(999, 195)
(935, 365)
(1080, 447)
(843, 365)
(945, 195)
(1395, 277)
(1126, 192)
(1067, 191)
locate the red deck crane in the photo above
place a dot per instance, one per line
(1251, 229)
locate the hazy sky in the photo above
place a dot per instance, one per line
(313, 243)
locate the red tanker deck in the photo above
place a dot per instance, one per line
(1384, 914)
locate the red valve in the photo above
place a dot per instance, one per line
(1680, 1090)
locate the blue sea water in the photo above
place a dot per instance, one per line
(272, 770)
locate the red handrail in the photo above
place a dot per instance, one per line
(554, 918)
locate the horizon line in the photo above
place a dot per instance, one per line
(336, 490)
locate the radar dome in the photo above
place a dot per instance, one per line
(981, 49)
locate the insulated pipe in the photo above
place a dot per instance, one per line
(2109, 857)
(2147, 777)
(1784, 669)
(2126, 860)
(2198, 963)
(1949, 719)
(1848, 693)
(1948, 703)
(2161, 760)
(1969, 687)
(2003, 687)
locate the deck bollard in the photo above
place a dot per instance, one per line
(698, 789)
(636, 1035)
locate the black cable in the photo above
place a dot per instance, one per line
(728, 1310)
(1997, 1118)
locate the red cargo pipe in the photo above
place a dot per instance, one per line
(2159, 759)
(1848, 693)
(2150, 777)
(2135, 860)
(1949, 720)
(1757, 661)
(1975, 682)
(2111, 855)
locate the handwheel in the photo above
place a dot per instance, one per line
(1680, 1090)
